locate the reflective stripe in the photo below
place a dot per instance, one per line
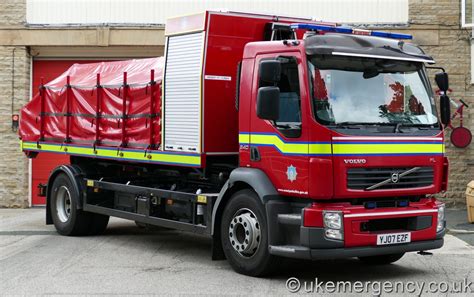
(244, 138)
(185, 159)
(320, 149)
(290, 148)
(283, 147)
(395, 139)
(387, 148)
(347, 146)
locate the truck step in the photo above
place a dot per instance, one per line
(290, 219)
(291, 251)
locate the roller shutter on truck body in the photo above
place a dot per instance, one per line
(182, 92)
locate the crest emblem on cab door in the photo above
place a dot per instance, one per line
(291, 173)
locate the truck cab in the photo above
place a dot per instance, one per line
(346, 129)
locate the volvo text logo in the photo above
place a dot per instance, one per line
(395, 177)
(355, 161)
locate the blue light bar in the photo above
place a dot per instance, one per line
(349, 30)
(370, 205)
(403, 203)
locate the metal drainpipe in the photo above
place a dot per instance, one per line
(13, 85)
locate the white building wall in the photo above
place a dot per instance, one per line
(142, 12)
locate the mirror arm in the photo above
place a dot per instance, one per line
(435, 67)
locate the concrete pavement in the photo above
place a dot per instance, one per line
(126, 260)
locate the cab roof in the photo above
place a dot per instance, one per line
(365, 47)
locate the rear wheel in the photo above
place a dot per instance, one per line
(244, 235)
(382, 259)
(67, 219)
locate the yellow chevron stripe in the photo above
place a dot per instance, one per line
(291, 148)
(320, 149)
(341, 148)
(244, 138)
(152, 156)
(286, 147)
(389, 148)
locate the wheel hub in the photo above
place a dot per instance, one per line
(63, 204)
(244, 233)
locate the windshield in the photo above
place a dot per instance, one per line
(348, 90)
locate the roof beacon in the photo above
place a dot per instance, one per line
(349, 30)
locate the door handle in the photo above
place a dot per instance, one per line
(254, 154)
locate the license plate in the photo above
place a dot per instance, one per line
(393, 238)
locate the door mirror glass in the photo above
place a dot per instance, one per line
(268, 105)
(445, 109)
(270, 71)
(442, 81)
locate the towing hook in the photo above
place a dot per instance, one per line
(424, 253)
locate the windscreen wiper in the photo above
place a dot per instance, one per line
(348, 124)
(396, 125)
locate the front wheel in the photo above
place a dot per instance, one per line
(244, 235)
(382, 259)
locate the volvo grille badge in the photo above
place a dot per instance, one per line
(394, 178)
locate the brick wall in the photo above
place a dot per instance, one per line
(436, 27)
(12, 12)
(13, 164)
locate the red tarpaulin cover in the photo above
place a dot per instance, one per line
(50, 110)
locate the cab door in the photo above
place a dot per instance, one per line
(280, 147)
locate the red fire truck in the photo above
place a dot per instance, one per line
(274, 136)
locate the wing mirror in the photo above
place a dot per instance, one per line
(270, 71)
(442, 81)
(444, 103)
(268, 103)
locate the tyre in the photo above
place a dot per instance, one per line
(244, 235)
(67, 219)
(382, 259)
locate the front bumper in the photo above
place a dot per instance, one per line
(303, 236)
(301, 252)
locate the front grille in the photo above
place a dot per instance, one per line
(363, 178)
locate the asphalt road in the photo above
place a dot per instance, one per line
(129, 261)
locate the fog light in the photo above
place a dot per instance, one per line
(333, 233)
(441, 218)
(332, 219)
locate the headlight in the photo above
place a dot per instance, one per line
(332, 219)
(441, 218)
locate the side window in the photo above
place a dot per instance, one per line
(289, 120)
